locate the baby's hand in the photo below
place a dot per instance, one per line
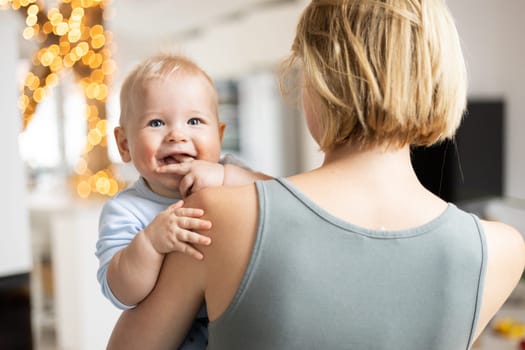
(172, 230)
(196, 175)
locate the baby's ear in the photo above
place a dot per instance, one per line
(222, 126)
(122, 144)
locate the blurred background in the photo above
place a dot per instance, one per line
(62, 65)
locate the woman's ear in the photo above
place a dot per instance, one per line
(122, 144)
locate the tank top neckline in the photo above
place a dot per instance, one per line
(373, 233)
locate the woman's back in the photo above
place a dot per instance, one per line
(317, 282)
(301, 267)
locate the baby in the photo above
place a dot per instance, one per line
(169, 129)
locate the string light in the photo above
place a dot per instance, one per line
(73, 36)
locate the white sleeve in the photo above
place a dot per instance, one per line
(231, 159)
(116, 230)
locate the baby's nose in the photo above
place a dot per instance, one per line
(176, 135)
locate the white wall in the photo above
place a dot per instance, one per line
(494, 45)
(255, 41)
(84, 319)
(269, 128)
(15, 250)
(261, 141)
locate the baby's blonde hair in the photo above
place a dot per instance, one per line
(160, 66)
(381, 71)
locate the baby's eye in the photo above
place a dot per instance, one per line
(155, 123)
(194, 121)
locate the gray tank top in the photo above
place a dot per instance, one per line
(315, 281)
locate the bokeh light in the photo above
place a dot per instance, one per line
(81, 45)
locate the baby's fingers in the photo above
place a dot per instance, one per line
(186, 185)
(176, 168)
(193, 223)
(176, 205)
(189, 250)
(188, 212)
(192, 237)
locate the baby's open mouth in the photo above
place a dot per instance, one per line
(176, 158)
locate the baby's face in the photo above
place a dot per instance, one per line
(176, 121)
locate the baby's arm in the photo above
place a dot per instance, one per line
(133, 271)
(237, 176)
(199, 174)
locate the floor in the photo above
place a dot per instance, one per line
(47, 341)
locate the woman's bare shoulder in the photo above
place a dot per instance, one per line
(506, 252)
(233, 212)
(505, 264)
(223, 201)
(505, 237)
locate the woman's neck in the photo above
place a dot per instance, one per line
(375, 162)
(370, 188)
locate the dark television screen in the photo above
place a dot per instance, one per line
(471, 166)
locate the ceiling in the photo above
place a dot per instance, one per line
(141, 27)
(157, 19)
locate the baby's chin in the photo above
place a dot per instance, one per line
(166, 186)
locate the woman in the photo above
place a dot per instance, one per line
(356, 254)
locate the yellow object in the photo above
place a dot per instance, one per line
(509, 328)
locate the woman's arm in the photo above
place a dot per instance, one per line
(163, 319)
(505, 263)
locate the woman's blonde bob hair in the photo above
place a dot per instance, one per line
(381, 71)
(159, 66)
